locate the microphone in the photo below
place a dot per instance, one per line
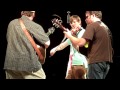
(68, 17)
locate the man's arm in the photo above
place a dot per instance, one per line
(76, 41)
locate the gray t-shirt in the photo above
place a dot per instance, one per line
(20, 55)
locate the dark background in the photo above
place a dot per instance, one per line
(55, 67)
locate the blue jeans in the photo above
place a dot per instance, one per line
(98, 70)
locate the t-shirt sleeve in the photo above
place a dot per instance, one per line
(89, 32)
(39, 34)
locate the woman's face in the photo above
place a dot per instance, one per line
(75, 25)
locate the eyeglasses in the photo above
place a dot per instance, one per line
(87, 17)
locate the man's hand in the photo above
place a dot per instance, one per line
(67, 33)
